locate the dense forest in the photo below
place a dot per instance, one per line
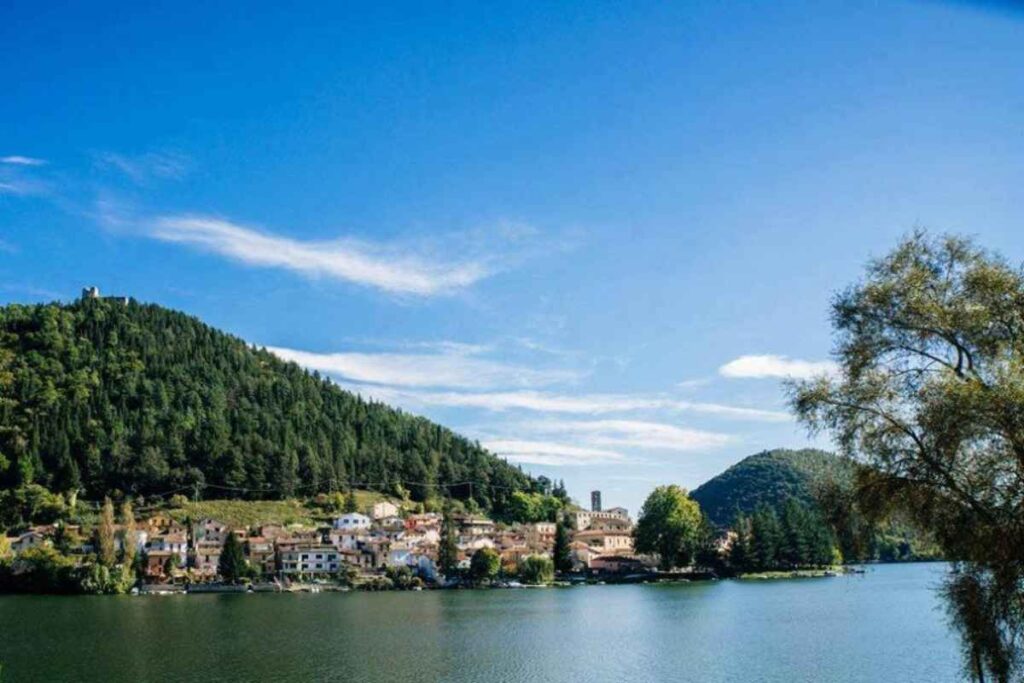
(768, 478)
(758, 494)
(101, 396)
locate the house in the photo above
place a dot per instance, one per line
(206, 557)
(29, 539)
(540, 536)
(423, 522)
(260, 553)
(581, 519)
(156, 564)
(176, 543)
(308, 559)
(384, 509)
(470, 525)
(392, 525)
(606, 542)
(352, 521)
(210, 530)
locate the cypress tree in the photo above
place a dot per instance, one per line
(562, 554)
(232, 565)
(448, 552)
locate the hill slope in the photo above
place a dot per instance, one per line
(769, 477)
(102, 396)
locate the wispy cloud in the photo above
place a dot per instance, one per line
(551, 453)
(451, 367)
(559, 443)
(18, 160)
(143, 168)
(632, 434)
(357, 262)
(22, 188)
(578, 404)
(763, 366)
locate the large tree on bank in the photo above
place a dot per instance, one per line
(929, 395)
(669, 526)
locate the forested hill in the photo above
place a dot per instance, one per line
(770, 478)
(103, 396)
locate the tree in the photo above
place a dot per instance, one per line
(484, 565)
(562, 554)
(448, 551)
(537, 570)
(129, 535)
(669, 526)
(105, 552)
(928, 397)
(765, 538)
(232, 565)
(351, 505)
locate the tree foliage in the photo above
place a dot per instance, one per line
(669, 526)
(232, 565)
(105, 398)
(537, 570)
(485, 564)
(930, 394)
(562, 553)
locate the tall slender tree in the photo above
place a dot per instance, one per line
(448, 551)
(106, 553)
(232, 565)
(129, 534)
(562, 553)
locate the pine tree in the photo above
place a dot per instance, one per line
(562, 554)
(232, 565)
(351, 505)
(105, 551)
(765, 537)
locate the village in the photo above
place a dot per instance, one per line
(358, 548)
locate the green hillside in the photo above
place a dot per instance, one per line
(819, 480)
(103, 396)
(770, 478)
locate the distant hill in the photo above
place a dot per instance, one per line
(105, 395)
(773, 477)
(769, 477)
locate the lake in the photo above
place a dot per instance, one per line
(886, 625)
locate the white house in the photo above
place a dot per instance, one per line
(311, 560)
(384, 509)
(352, 521)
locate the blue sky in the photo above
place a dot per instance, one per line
(592, 235)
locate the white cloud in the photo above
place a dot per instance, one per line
(342, 260)
(580, 404)
(635, 434)
(18, 160)
(453, 367)
(550, 453)
(762, 366)
(145, 167)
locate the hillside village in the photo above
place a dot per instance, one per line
(351, 547)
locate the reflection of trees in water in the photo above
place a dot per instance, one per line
(929, 395)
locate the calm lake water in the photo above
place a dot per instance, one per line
(885, 626)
